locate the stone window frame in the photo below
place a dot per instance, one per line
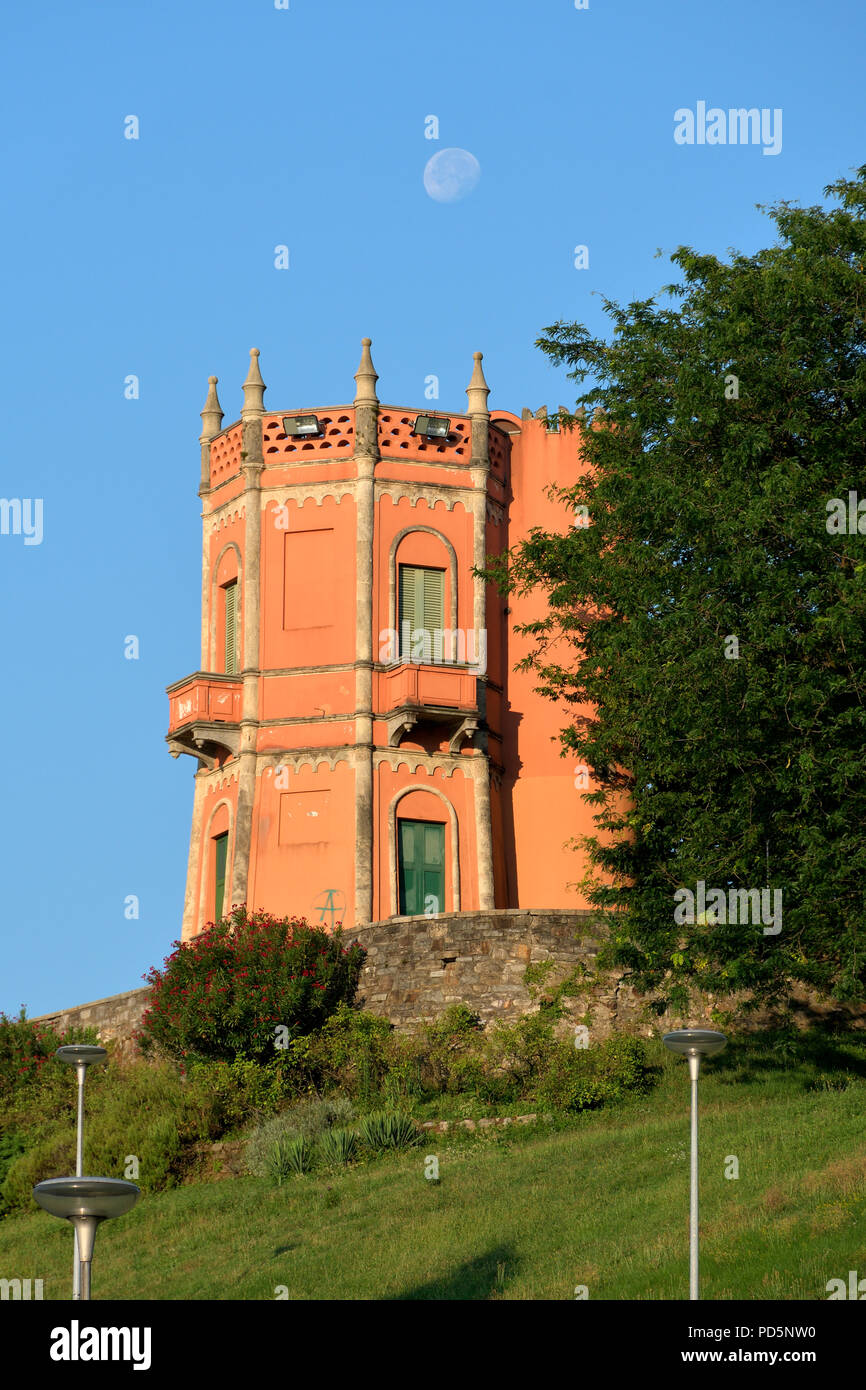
(214, 613)
(210, 865)
(393, 577)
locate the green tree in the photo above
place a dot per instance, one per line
(716, 428)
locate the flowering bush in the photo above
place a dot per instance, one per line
(247, 987)
(25, 1047)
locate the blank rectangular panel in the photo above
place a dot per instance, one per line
(304, 817)
(310, 580)
(231, 627)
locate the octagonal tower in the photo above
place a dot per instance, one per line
(365, 749)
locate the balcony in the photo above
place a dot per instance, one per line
(446, 694)
(204, 717)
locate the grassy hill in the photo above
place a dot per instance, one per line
(529, 1213)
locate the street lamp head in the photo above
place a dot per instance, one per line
(101, 1198)
(85, 1202)
(695, 1042)
(80, 1054)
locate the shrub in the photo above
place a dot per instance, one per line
(446, 1048)
(229, 991)
(383, 1130)
(584, 1078)
(520, 1052)
(50, 1157)
(229, 1093)
(338, 1146)
(25, 1048)
(11, 1146)
(142, 1109)
(353, 1051)
(307, 1120)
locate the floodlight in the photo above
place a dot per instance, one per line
(303, 426)
(432, 427)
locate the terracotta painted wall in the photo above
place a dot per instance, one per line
(303, 839)
(546, 807)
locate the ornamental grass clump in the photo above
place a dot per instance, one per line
(290, 1158)
(384, 1130)
(338, 1146)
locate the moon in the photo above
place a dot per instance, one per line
(451, 175)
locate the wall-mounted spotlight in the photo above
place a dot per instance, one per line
(303, 427)
(432, 427)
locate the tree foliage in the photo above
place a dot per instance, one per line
(722, 423)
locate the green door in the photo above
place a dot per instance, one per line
(221, 844)
(421, 868)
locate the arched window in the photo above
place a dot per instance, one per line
(423, 597)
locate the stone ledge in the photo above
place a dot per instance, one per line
(442, 1126)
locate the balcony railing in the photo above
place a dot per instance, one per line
(204, 716)
(446, 686)
(407, 694)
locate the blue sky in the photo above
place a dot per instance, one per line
(302, 127)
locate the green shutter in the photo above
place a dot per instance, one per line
(231, 662)
(433, 599)
(422, 606)
(407, 597)
(221, 845)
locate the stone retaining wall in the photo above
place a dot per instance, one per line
(417, 966)
(115, 1018)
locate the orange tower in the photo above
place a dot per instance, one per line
(365, 748)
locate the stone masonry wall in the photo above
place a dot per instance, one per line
(114, 1018)
(417, 966)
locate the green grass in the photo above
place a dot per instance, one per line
(529, 1214)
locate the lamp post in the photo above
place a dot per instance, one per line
(81, 1056)
(85, 1202)
(694, 1043)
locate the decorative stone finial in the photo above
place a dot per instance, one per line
(212, 415)
(254, 389)
(477, 391)
(366, 377)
